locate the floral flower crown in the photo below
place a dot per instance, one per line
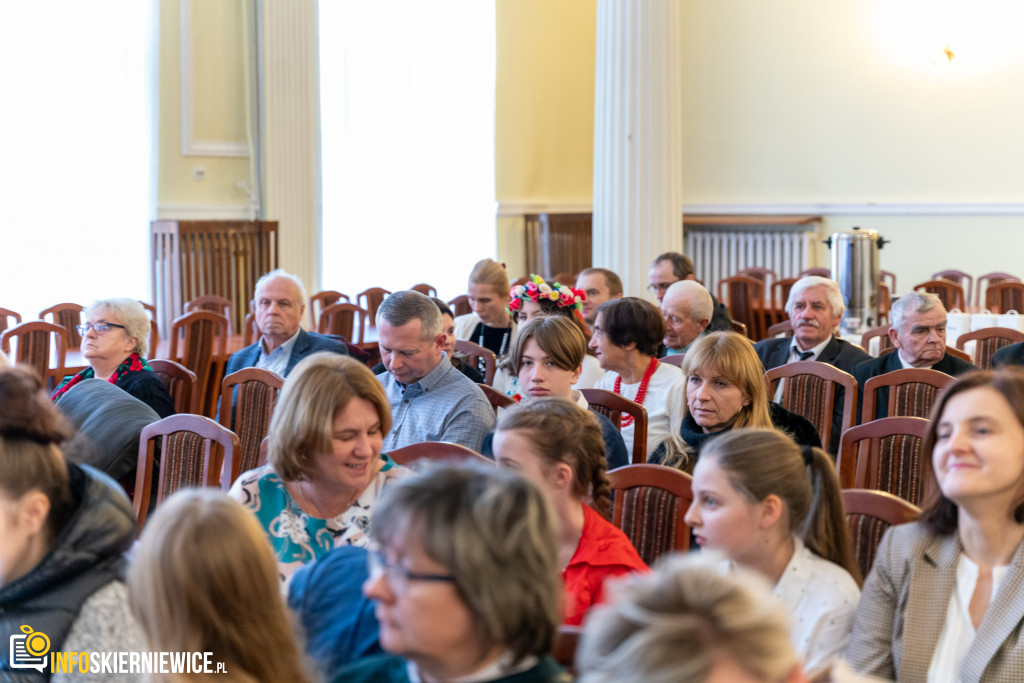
(536, 290)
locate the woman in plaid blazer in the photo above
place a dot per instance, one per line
(945, 599)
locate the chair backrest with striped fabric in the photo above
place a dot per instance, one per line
(869, 514)
(886, 455)
(247, 400)
(181, 383)
(649, 506)
(987, 341)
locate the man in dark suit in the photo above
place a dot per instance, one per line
(1012, 354)
(672, 267)
(280, 303)
(918, 331)
(815, 307)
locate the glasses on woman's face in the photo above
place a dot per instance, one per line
(398, 576)
(100, 328)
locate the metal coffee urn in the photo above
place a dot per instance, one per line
(855, 268)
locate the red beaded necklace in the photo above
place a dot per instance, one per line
(641, 393)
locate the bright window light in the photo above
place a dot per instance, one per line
(407, 119)
(77, 134)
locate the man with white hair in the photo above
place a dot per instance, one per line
(918, 330)
(687, 309)
(280, 301)
(815, 307)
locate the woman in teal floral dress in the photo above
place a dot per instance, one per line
(324, 470)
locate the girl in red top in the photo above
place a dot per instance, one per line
(557, 446)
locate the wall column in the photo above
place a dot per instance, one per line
(291, 134)
(637, 136)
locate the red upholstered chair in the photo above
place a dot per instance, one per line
(911, 392)
(182, 384)
(612, 405)
(192, 452)
(475, 353)
(950, 293)
(649, 505)
(885, 455)
(247, 400)
(435, 450)
(987, 341)
(869, 514)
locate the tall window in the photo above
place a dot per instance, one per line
(77, 134)
(407, 118)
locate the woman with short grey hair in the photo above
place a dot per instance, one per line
(114, 342)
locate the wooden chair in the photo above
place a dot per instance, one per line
(612, 405)
(961, 278)
(650, 505)
(321, 300)
(885, 455)
(675, 359)
(908, 392)
(819, 272)
(154, 328)
(813, 390)
(987, 280)
(181, 383)
(1004, 297)
(475, 354)
(250, 330)
(460, 305)
(212, 303)
(341, 319)
(522, 280)
(6, 315)
(564, 651)
(888, 279)
(193, 450)
(199, 340)
(371, 299)
(739, 328)
(950, 293)
(959, 353)
(785, 327)
(780, 293)
(39, 345)
(744, 295)
(869, 514)
(68, 316)
(987, 341)
(424, 289)
(884, 342)
(435, 450)
(247, 400)
(767, 276)
(496, 398)
(884, 303)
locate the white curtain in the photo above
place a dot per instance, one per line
(77, 139)
(407, 118)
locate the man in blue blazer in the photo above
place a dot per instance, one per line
(815, 307)
(918, 331)
(280, 304)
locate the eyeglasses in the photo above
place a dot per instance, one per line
(101, 328)
(398, 575)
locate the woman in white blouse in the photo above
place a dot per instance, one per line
(945, 598)
(773, 506)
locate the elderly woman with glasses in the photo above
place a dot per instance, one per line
(114, 341)
(465, 580)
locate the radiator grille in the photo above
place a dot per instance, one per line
(718, 254)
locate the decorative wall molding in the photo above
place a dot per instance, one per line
(822, 209)
(190, 146)
(198, 212)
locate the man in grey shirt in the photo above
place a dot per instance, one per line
(430, 399)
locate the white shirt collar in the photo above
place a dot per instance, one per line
(795, 349)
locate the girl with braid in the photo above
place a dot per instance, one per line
(557, 446)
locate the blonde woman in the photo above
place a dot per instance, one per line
(490, 325)
(558, 446)
(775, 507)
(204, 580)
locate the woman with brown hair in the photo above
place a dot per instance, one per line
(204, 580)
(775, 507)
(325, 469)
(558, 446)
(945, 597)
